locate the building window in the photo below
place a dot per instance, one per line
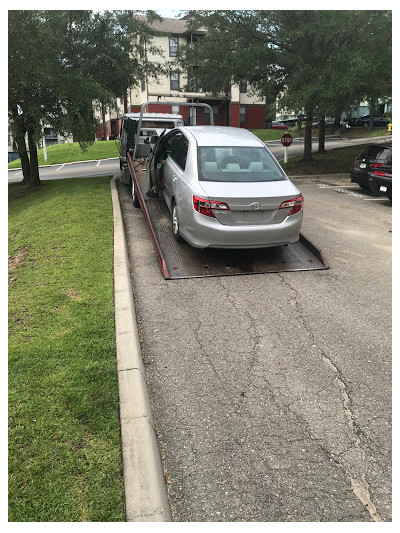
(174, 81)
(243, 86)
(143, 85)
(192, 39)
(242, 114)
(173, 46)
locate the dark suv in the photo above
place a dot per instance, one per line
(373, 169)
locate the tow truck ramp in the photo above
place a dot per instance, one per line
(180, 260)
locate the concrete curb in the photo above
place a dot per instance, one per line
(145, 491)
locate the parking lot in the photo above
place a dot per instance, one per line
(272, 392)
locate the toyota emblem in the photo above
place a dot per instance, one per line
(255, 205)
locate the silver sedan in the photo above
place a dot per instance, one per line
(224, 189)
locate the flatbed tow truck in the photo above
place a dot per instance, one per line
(180, 260)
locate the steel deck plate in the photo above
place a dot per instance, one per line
(184, 261)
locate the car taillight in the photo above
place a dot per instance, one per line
(381, 173)
(377, 165)
(296, 203)
(205, 207)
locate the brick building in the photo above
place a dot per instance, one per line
(234, 107)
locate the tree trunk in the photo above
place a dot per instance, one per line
(26, 167)
(299, 124)
(103, 116)
(371, 114)
(34, 165)
(23, 155)
(336, 124)
(19, 131)
(321, 135)
(307, 156)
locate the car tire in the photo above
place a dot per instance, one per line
(175, 223)
(389, 194)
(364, 187)
(135, 198)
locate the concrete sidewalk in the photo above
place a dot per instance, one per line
(145, 492)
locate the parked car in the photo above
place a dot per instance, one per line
(279, 126)
(225, 189)
(363, 121)
(380, 179)
(373, 167)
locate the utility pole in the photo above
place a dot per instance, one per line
(44, 147)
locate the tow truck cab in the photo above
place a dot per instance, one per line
(152, 124)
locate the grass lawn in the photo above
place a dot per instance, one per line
(64, 440)
(340, 160)
(69, 152)
(348, 133)
(274, 135)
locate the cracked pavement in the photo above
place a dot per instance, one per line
(272, 393)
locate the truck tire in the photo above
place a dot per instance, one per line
(135, 197)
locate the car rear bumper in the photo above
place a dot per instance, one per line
(375, 183)
(206, 232)
(359, 176)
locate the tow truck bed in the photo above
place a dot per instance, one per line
(180, 260)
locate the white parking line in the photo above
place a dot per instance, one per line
(350, 193)
(18, 173)
(335, 186)
(59, 168)
(375, 199)
(98, 163)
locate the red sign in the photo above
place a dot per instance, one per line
(286, 139)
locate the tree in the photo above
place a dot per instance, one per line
(62, 66)
(296, 55)
(372, 67)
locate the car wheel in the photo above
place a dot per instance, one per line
(365, 187)
(135, 198)
(389, 194)
(175, 223)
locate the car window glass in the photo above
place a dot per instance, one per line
(377, 152)
(171, 141)
(179, 152)
(238, 163)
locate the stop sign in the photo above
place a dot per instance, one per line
(286, 139)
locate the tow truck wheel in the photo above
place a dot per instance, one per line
(135, 198)
(175, 224)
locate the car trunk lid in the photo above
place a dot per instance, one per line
(253, 203)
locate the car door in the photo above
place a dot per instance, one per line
(150, 167)
(181, 193)
(171, 141)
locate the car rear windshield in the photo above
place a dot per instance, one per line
(378, 152)
(238, 163)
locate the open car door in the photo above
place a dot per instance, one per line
(150, 167)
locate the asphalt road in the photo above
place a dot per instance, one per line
(107, 167)
(272, 393)
(83, 169)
